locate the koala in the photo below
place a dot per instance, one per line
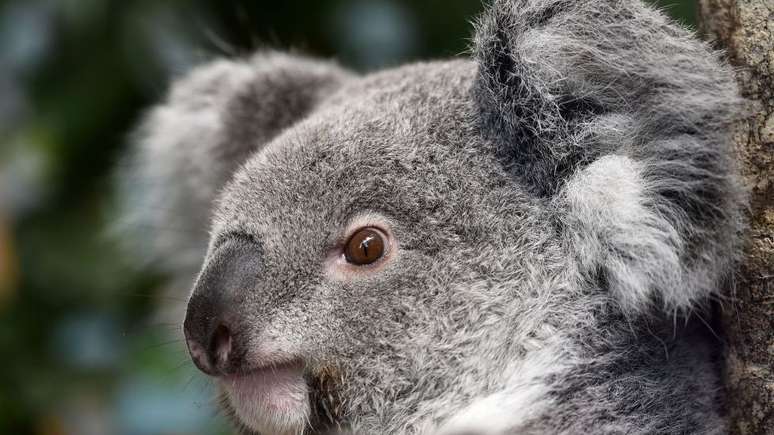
(527, 240)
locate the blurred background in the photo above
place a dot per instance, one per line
(82, 348)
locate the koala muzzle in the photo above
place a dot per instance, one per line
(214, 331)
(212, 352)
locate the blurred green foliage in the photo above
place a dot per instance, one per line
(83, 351)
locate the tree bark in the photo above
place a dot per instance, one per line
(745, 29)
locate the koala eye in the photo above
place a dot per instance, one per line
(366, 246)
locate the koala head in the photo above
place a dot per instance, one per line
(385, 247)
(348, 235)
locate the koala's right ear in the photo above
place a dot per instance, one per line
(188, 147)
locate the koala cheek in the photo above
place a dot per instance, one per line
(306, 326)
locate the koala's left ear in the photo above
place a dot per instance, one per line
(532, 89)
(562, 82)
(621, 119)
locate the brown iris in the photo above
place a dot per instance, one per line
(365, 246)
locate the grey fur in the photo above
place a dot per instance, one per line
(188, 148)
(565, 207)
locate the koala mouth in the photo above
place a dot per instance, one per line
(283, 399)
(272, 399)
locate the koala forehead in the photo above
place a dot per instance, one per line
(399, 143)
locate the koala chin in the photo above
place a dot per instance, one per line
(527, 240)
(272, 400)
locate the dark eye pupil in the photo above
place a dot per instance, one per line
(365, 247)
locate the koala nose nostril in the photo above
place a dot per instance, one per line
(220, 345)
(213, 352)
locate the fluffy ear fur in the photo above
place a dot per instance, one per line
(564, 83)
(189, 146)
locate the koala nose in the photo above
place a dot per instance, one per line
(215, 328)
(212, 352)
(215, 337)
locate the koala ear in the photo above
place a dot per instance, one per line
(187, 148)
(621, 119)
(559, 80)
(528, 90)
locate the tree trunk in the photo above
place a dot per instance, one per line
(745, 29)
